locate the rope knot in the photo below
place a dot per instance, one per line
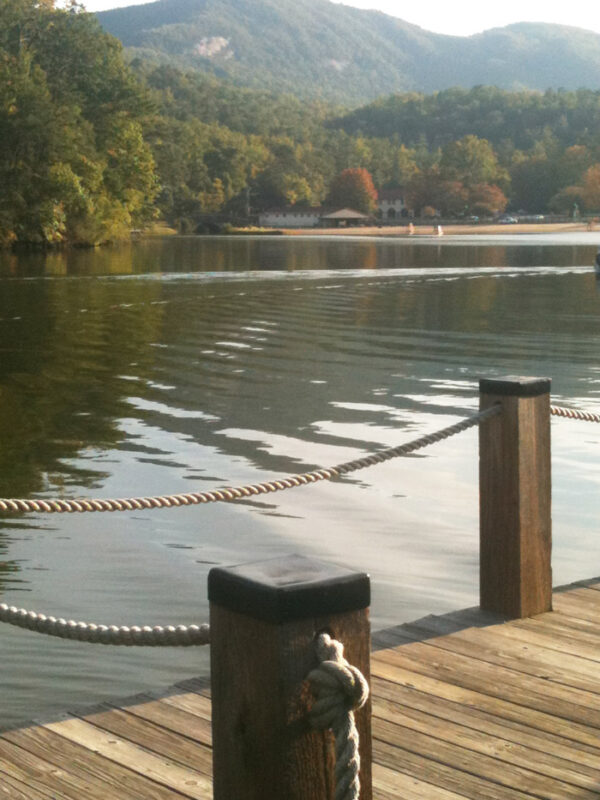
(339, 690)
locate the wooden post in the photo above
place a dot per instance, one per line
(263, 619)
(514, 484)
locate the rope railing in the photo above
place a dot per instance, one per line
(60, 506)
(182, 635)
(188, 635)
(146, 636)
(573, 413)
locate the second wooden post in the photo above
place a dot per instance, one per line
(264, 618)
(515, 488)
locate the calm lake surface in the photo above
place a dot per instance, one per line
(185, 364)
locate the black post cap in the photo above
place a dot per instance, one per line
(515, 386)
(289, 588)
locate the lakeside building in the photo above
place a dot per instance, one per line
(295, 217)
(290, 217)
(391, 206)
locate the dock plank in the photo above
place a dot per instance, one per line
(536, 771)
(517, 736)
(559, 626)
(393, 784)
(471, 673)
(13, 789)
(88, 766)
(465, 707)
(160, 769)
(171, 717)
(555, 731)
(152, 738)
(418, 765)
(488, 644)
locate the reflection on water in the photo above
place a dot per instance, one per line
(116, 385)
(234, 254)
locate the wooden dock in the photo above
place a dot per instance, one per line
(464, 706)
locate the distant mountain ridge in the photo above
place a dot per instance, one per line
(318, 49)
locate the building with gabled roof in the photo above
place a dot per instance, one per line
(392, 203)
(307, 217)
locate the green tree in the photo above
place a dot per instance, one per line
(533, 183)
(564, 200)
(472, 161)
(73, 161)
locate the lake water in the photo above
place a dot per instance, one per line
(186, 364)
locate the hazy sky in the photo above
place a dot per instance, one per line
(463, 17)
(460, 17)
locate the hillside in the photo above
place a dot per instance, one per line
(314, 48)
(508, 120)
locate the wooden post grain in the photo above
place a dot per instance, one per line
(515, 513)
(264, 618)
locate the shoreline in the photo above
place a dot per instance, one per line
(429, 230)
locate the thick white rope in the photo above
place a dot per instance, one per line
(157, 636)
(339, 689)
(59, 506)
(572, 413)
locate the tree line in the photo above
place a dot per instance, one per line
(92, 146)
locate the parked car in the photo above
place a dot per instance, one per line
(531, 217)
(506, 219)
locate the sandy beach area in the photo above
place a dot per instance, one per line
(448, 230)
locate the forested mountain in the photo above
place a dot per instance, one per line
(92, 146)
(315, 48)
(508, 119)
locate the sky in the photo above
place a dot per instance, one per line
(459, 17)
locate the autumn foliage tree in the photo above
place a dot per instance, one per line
(486, 199)
(353, 188)
(591, 188)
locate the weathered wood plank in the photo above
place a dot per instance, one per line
(558, 643)
(558, 624)
(151, 737)
(578, 606)
(170, 717)
(396, 785)
(42, 776)
(506, 651)
(423, 767)
(554, 730)
(87, 765)
(484, 722)
(192, 703)
(540, 630)
(534, 771)
(552, 698)
(585, 593)
(421, 735)
(13, 789)
(163, 771)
